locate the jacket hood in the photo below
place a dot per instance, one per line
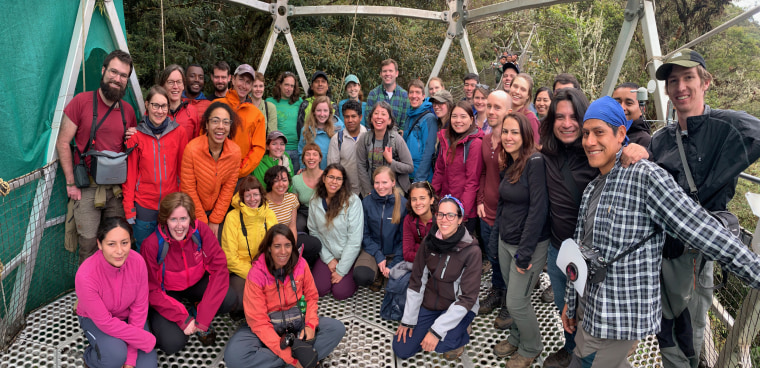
(143, 126)
(412, 114)
(238, 204)
(377, 197)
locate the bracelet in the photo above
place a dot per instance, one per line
(71, 184)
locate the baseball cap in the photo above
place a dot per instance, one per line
(276, 134)
(686, 58)
(245, 68)
(351, 78)
(508, 66)
(443, 96)
(318, 74)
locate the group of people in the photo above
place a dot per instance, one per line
(257, 207)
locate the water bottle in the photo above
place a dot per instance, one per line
(302, 304)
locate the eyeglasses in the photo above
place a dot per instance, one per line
(159, 107)
(114, 73)
(173, 83)
(484, 86)
(217, 121)
(449, 216)
(334, 178)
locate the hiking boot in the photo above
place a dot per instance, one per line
(504, 349)
(495, 298)
(207, 338)
(453, 354)
(547, 296)
(377, 285)
(558, 359)
(519, 361)
(503, 321)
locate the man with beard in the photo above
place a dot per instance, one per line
(193, 94)
(221, 78)
(112, 118)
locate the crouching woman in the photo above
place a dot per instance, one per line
(442, 299)
(281, 299)
(112, 288)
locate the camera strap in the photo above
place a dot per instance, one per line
(633, 248)
(248, 245)
(95, 124)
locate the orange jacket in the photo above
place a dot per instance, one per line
(210, 183)
(251, 134)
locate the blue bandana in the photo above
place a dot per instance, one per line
(609, 111)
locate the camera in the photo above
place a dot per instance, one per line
(288, 336)
(597, 266)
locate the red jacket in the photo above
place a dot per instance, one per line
(200, 104)
(461, 177)
(185, 266)
(414, 232)
(187, 117)
(153, 167)
(262, 297)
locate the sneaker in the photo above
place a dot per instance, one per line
(486, 266)
(558, 359)
(547, 296)
(453, 354)
(504, 349)
(74, 307)
(495, 298)
(519, 361)
(503, 321)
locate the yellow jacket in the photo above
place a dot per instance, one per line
(239, 252)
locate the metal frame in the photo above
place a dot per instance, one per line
(456, 18)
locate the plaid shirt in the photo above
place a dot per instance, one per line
(399, 103)
(635, 202)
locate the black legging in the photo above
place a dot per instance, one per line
(169, 337)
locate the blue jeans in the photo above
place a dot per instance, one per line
(141, 230)
(455, 337)
(559, 280)
(492, 253)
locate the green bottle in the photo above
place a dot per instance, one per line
(302, 304)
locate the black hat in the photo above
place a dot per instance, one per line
(510, 66)
(686, 58)
(318, 74)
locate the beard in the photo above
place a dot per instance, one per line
(112, 94)
(220, 87)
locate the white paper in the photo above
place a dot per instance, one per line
(569, 252)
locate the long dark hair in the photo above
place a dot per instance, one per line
(273, 173)
(429, 188)
(340, 200)
(277, 89)
(110, 223)
(266, 244)
(515, 167)
(550, 144)
(452, 135)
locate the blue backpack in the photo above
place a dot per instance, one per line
(162, 251)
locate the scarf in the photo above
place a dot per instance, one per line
(438, 245)
(157, 130)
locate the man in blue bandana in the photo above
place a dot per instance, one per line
(625, 215)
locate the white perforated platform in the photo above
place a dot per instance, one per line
(52, 338)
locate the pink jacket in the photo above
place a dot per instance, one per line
(116, 300)
(185, 266)
(460, 177)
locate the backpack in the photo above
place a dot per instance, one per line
(394, 300)
(162, 251)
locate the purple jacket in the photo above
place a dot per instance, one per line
(461, 176)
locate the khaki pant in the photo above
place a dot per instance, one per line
(88, 215)
(608, 353)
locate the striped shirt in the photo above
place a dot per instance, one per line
(284, 210)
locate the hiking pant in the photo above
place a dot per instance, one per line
(455, 338)
(559, 280)
(603, 353)
(322, 278)
(106, 351)
(88, 212)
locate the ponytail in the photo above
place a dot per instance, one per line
(396, 218)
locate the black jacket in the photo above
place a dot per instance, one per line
(640, 132)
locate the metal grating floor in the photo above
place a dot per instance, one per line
(52, 338)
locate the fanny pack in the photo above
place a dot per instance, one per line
(287, 321)
(106, 167)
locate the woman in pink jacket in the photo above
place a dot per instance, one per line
(185, 262)
(112, 288)
(459, 163)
